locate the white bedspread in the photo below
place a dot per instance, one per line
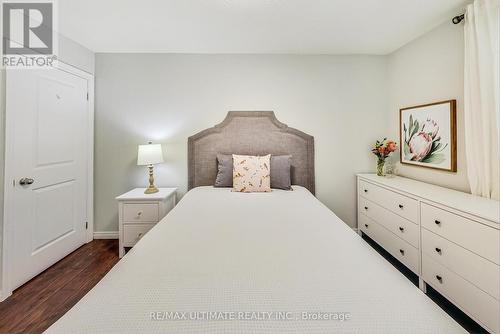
(247, 256)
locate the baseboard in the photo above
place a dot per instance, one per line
(106, 235)
(4, 296)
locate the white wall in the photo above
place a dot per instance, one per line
(340, 100)
(430, 69)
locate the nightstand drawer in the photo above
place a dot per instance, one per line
(140, 212)
(134, 232)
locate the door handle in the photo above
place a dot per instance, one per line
(26, 181)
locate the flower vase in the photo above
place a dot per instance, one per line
(380, 167)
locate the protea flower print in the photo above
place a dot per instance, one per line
(422, 143)
(420, 146)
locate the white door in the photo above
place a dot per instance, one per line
(47, 150)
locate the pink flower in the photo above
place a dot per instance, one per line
(430, 127)
(420, 145)
(391, 146)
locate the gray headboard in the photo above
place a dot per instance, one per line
(250, 133)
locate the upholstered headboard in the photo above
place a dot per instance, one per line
(250, 133)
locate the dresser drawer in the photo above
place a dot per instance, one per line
(140, 212)
(478, 238)
(400, 226)
(469, 298)
(475, 269)
(400, 249)
(404, 206)
(134, 232)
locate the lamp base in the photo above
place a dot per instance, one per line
(151, 190)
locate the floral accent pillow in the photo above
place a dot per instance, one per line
(251, 173)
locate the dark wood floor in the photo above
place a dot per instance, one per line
(40, 302)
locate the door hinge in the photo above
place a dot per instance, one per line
(86, 225)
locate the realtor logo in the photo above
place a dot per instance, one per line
(28, 33)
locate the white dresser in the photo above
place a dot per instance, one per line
(139, 212)
(450, 239)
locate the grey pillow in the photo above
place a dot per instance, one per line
(224, 171)
(280, 171)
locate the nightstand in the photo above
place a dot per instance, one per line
(139, 212)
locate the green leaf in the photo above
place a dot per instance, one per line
(435, 146)
(439, 148)
(435, 158)
(434, 149)
(410, 128)
(406, 149)
(416, 128)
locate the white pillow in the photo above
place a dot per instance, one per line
(251, 173)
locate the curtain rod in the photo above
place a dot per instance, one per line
(457, 19)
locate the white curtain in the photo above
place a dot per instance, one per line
(481, 97)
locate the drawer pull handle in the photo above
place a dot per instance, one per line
(366, 208)
(437, 222)
(401, 206)
(402, 251)
(439, 278)
(401, 229)
(139, 213)
(366, 190)
(366, 225)
(139, 235)
(438, 250)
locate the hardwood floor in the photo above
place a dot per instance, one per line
(36, 305)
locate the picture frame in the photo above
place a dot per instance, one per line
(428, 135)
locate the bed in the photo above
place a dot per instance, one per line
(277, 262)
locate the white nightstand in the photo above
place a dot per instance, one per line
(139, 212)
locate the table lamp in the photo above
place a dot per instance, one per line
(149, 155)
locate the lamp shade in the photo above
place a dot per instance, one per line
(149, 154)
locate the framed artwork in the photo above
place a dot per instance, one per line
(428, 135)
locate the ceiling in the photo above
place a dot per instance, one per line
(251, 26)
